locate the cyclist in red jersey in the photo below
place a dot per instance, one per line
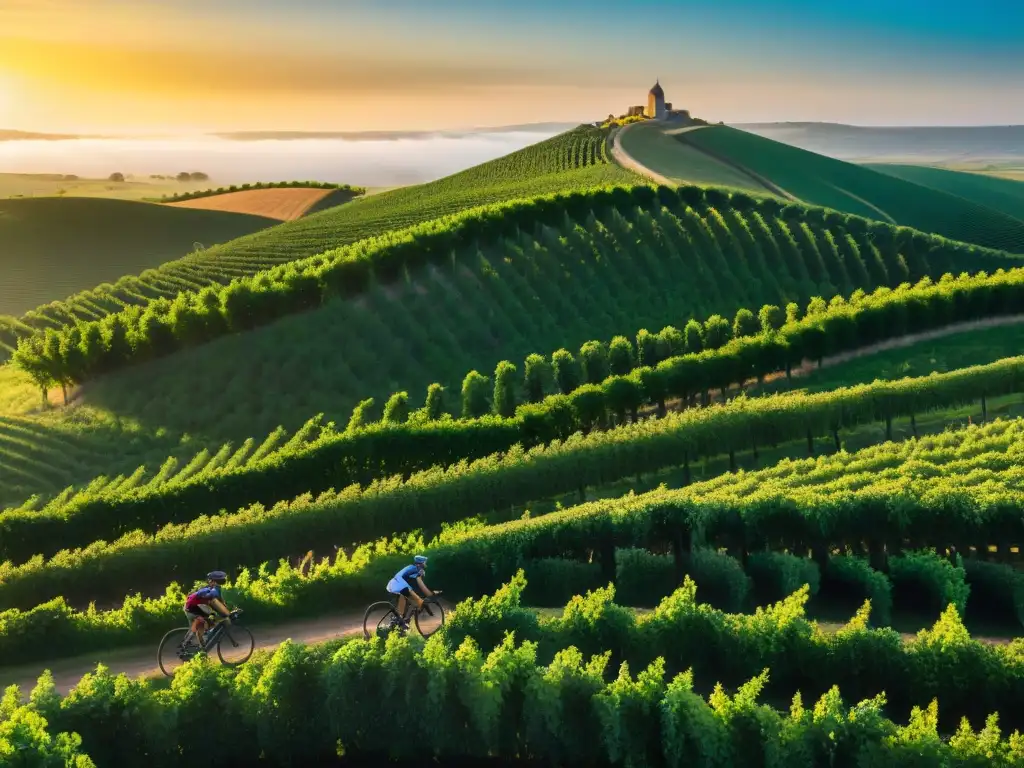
(197, 604)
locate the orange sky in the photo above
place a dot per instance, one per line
(149, 65)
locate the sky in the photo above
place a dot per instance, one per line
(121, 66)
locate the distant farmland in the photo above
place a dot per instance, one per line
(282, 204)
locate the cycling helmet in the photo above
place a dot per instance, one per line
(420, 560)
(219, 576)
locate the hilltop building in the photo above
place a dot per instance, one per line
(657, 108)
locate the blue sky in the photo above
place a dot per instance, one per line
(444, 63)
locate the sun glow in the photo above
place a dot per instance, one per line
(7, 99)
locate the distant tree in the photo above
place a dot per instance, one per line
(70, 177)
(396, 409)
(116, 177)
(744, 324)
(594, 361)
(693, 337)
(474, 395)
(620, 356)
(566, 370)
(536, 376)
(816, 306)
(360, 415)
(434, 405)
(771, 318)
(792, 312)
(505, 389)
(647, 348)
(716, 332)
(184, 176)
(670, 342)
(199, 176)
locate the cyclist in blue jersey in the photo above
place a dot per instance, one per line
(401, 585)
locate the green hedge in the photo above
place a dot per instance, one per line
(181, 196)
(493, 482)
(925, 581)
(302, 705)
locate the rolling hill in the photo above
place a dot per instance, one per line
(577, 159)
(588, 267)
(53, 246)
(1004, 195)
(820, 180)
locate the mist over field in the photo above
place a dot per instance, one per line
(397, 159)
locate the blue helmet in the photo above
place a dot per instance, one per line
(218, 576)
(420, 560)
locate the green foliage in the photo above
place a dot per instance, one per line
(643, 578)
(852, 578)
(505, 386)
(396, 409)
(621, 359)
(361, 416)
(924, 580)
(474, 395)
(771, 318)
(566, 371)
(693, 338)
(594, 362)
(776, 575)
(716, 332)
(744, 324)
(537, 377)
(434, 405)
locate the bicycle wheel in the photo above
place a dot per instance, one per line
(235, 645)
(430, 618)
(379, 619)
(171, 656)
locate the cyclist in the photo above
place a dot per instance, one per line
(399, 585)
(197, 604)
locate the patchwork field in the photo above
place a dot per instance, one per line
(284, 204)
(1002, 194)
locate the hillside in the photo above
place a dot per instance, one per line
(968, 145)
(281, 204)
(574, 160)
(820, 180)
(51, 247)
(520, 289)
(1004, 195)
(658, 148)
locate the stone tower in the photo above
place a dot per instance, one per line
(656, 102)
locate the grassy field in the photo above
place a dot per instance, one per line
(656, 147)
(1004, 195)
(575, 160)
(821, 180)
(51, 247)
(55, 185)
(281, 204)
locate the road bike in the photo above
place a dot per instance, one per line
(234, 644)
(382, 618)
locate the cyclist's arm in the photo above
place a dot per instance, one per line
(423, 587)
(218, 604)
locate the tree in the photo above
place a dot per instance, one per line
(360, 415)
(505, 389)
(566, 371)
(647, 348)
(29, 358)
(116, 177)
(184, 176)
(792, 312)
(396, 409)
(620, 356)
(670, 342)
(771, 318)
(536, 377)
(693, 337)
(198, 176)
(434, 405)
(594, 362)
(716, 332)
(474, 395)
(744, 324)
(816, 306)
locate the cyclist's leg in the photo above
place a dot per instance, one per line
(199, 625)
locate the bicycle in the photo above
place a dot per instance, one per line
(382, 618)
(179, 645)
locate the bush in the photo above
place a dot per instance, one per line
(721, 579)
(776, 575)
(643, 578)
(553, 581)
(997, 591)
(853, 578)
(926, 581)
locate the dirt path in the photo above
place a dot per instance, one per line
(142, 660)
(626, 160)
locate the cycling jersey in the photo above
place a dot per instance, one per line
(203, 596)
(400, 582)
